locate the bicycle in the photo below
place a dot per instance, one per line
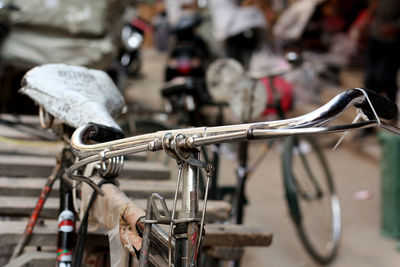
(182, 143)
(183, 240)
(52, 95)
(310, 192)
(224, 76)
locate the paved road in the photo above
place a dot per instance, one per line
(362, 244)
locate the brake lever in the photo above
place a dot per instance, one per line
(360, 114)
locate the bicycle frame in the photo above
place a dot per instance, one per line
(190, 207)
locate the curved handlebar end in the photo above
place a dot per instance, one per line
(384, 108)
(101, 133)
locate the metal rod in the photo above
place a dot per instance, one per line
(190, 207)
(238, 205)
(24, 240)
(272, 133)
(190, 197)
(145, 249)
(390, 128)
(203, 217)
(180, 166)
(250, 134)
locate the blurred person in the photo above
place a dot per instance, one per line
(239, 30)
(176, 9)
(383, 54)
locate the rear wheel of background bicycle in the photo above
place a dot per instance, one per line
(310, 193)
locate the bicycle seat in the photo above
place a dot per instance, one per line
(74, 95)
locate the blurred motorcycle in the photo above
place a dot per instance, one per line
(189, 53)
(132, 37)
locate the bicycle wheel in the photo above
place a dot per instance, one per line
(311, 196)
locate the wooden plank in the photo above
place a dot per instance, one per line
(44, 148)
(216, 235)
(11, 165)
(31, 187)
(145, 171)
(30, 148)
(25, 129)
(43, 235)
(22, 119)
(23, 206)
(18, 165)
(236, 235)
(34, 259)
(25, 132)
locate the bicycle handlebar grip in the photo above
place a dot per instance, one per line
(101, 133)
(384, 108)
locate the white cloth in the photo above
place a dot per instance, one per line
(228, 19)
(293, 21)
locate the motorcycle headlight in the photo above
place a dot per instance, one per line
(131, 39)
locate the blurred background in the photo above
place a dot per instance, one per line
(210, 62)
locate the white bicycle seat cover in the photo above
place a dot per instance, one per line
(74, 95)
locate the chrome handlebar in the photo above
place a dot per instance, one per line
(310, 123)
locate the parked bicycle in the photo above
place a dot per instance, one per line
(189, 52)
(182, 145)
(138, 229)
(60, 90)
(132, 37)
(303, 162)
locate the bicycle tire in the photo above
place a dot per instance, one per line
(295, 196)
